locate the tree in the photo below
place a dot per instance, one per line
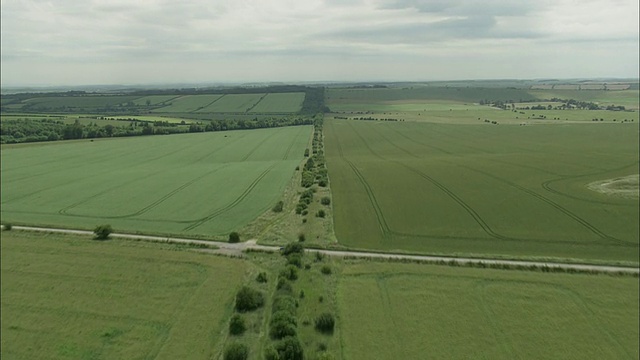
(325, 200)
(294, 247)
(237, 325)
(236, 351)
(102, 232)
(234, 237)
(325, 323)
(248, 299)
(290, 348)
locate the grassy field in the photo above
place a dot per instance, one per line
(234, 103)
(411, 311)
(202, 184)
(280, 103)
(73, 298)
(188, 103)
(483, 189)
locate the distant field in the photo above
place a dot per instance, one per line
(483, 189)
(72, 298)
(410, 311)
(280, 103)
(195, 184)
(234, 103)
(627, 98)
(188, 103)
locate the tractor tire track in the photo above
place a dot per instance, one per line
(209, 104)
(555, 205)
(382, 223)
(256, 104)
(233, 204)
(474, 214)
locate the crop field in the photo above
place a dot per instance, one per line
(412, 311)
(280, 103)
(189, 103)
(155, 99)
(203, 184)
(234, 103)
(73, 298)
(483, 189)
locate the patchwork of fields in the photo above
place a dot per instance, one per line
(482, 189)
(411, 311)
(198, 184)
(72, 298)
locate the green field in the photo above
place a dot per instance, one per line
(188, 103)
(483, 189)
(73, 298)
(280, 103)
(411, 311)
(201, 184)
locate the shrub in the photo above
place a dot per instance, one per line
(248, 299)
(284, 303)
(283, 323)
(325, 323)
(304, 212)
(262, 277)
(325, 200)
(319, 256)
(290, 272)
(284, 285)
(307, 266)
(102, 231)
(301, 237)
(278, 207)
(291, 248)
(234, 237)
(320, 214)
(8, 226)
(290, 348)
(236, 351)
(295, 260)
(301, 294)
(237, 325)
(326, 269)
(322, 182)
(270, 353)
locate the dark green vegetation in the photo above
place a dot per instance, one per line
(36, 117)
(102, 232)
(448, 182)
(68, 297)
(391, 311)
(206, 184)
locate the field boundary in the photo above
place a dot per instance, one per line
(251, 245)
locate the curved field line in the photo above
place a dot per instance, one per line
(382, 223)
(293, 142)
(233, 204)
(490, 315)
(94, 174)
(209, 104)
(555, 205)
(419, 142)
(546, 185)
(257, 102)
(146, 208)
(476, 217)
(257, 146)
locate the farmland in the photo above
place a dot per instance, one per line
(71, 298)
(409, 311)
(451, 182)
(202, 184)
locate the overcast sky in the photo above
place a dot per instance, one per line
(76, 42)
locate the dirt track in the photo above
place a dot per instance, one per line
(238, 248)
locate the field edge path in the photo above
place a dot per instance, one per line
(252, 245)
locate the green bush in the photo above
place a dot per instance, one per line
(262, 277)
(294, 247)
(102, 232)
(8, 226)
(295, 260)
(282, 324)
(237, 325)
(321, 213)
(325, 323)
(284, 286)
(234, 237)
(326, 269)
(290, 348)
(236, 351)
(284, 303)
(248, 299)
(290, 272)
(278, 207)
(301, 237)
(325, 200)
(270, 353)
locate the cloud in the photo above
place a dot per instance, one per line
(260, 35)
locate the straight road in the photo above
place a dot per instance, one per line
(251, 244)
